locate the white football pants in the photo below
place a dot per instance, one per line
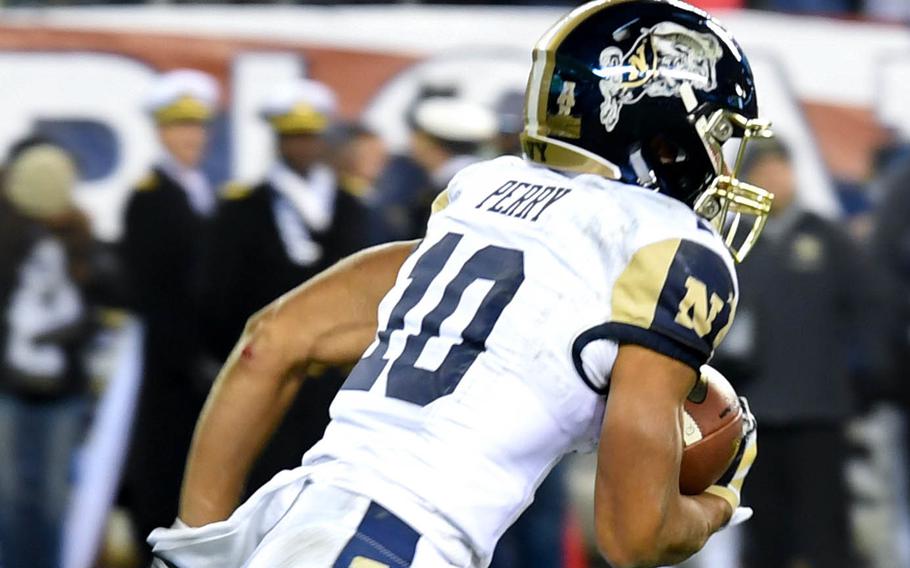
(293, 522)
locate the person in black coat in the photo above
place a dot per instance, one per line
(272, 236)
(162, 247)
(805, 331)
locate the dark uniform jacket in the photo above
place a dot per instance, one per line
(249, 267)
(162, 250)
(805, 323)
(891, 249)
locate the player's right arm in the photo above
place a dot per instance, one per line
(330, 319)
(642, 519)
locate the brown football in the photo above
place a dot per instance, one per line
(712, 432)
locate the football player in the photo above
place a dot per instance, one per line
(560, 302)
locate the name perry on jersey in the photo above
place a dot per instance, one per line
(522, 199)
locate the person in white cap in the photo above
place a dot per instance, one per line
(448, 134)
(166, 217)
(269, 237)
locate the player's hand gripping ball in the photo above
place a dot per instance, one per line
(712, 432)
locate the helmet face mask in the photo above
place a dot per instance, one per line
(648, 92)
(737, 210)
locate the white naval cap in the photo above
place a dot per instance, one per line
(455, 120)
(182, 95)
(302, 106)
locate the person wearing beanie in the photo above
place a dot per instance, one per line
(162, 246)
(44, 243)
(269, 237)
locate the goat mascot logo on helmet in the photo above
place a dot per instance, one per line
(663, 58)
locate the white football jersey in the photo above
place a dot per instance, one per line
(495, 345)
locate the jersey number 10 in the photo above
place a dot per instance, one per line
(406, 381)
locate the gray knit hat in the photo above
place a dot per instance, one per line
(39, 182)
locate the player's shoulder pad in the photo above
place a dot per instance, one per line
(676, 296)
(235, 191)
(440, 202)
(148, 183)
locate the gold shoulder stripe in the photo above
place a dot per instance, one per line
(234, 191)
(637, 290)
(148, 183)
(440, 203)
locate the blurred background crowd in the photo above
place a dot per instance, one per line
(169, 170)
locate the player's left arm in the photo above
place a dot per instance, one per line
(330, 319)
(642, 519)
(671, 306)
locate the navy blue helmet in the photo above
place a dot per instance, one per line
(648, 92)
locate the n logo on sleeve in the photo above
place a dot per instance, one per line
(675, 296)
(697, 311)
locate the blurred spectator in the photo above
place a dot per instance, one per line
(358, 156)
(273, 236)
(396, 189)
(44, 395)
(800, 331)
(162, 249)
(510, 121)
(891, 247)
(893, 10)
(448, 134)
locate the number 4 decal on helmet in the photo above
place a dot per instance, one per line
(566, 99)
